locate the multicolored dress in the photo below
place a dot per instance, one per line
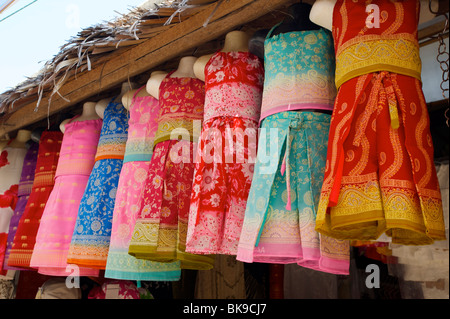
(44, 179)
(91, 235)
(281, 208)
(160, 231)
(226, 154)
(142, 127)
(23, 193)
(76, 160)
(379, 176)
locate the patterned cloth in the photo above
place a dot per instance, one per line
(160, 231)
(24, 191)
(12, 159)
(227, 152)
(279, 223)
(44, 174)
(280, 214)
(299, 71)
(379, 175)
(91, 235)
(142, 126)
(76, 160)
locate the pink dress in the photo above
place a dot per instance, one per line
(227, 152)
(143, 124)
(75, 164)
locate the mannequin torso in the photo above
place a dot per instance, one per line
(89, 113)
(235, 41)
(297, 20)
(102, 104)
(23, 136)
(185, 69)
(127, 98)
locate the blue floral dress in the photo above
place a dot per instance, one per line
(91, 237)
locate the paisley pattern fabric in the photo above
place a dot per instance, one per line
(90, 240)
(181, 101)
(299, 71)
(279, 223)
(227, 152)
(160, 230)
(142, 126)
(44, 175)
(24, 191)
(380, 177)
(76, 160)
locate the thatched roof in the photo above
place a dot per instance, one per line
(93, 45)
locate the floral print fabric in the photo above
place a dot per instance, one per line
(92, 232)
(279, 223)
(226, 152)
(299, 72)
(233, 85)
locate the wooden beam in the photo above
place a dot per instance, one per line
(169, 44)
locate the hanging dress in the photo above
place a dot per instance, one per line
(379, 177)
(142, 126)
(160, 230)
(226, 153)
(76, 160)
(44, 179)
(23, 193)
(282, 204)
(91, 235)
(11, 164)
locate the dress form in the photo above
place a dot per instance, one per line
(297, 20)
(88, 113)
(322, 12)
(101, 105)
(235, 41)
(185, 69)
(127, 98)
(23, 136)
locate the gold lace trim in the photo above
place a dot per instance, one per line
(397, 53)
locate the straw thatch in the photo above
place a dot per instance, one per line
(93, 45)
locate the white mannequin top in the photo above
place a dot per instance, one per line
(22, 137)
(101, 105)
(88, 113)
(235, 41)
(322, 12)
(185, 70)
(127, 98)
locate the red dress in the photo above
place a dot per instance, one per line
(47, 161)
(227, 152)
(380, 176)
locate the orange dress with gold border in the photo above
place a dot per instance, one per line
(380, 175)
